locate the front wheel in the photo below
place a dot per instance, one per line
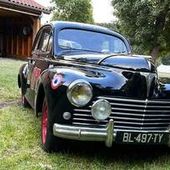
(49, 141)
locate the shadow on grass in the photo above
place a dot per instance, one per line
(126, 154)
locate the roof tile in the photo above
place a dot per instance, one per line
(29, 4)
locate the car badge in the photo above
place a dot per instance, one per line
(149, 79)
(56, 81)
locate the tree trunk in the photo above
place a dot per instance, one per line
(154, 53)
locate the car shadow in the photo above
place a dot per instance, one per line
(130, 154)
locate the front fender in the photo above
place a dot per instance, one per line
(165, 91)
(103, 81)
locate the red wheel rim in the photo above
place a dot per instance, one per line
(44, 122)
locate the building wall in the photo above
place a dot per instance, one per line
(14, 43)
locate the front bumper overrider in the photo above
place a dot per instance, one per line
(107, 135)
(86, 133)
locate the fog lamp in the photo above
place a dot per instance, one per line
(67, 115)
(101, 109)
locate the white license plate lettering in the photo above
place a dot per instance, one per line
(155, 137)
(138, 138)
(142, 138)
(127, 138)
(160, 137)
(149, 138)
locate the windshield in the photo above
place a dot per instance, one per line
(83, 40)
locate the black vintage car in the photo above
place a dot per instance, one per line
(87, 86)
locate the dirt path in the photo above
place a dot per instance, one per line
(8, 103)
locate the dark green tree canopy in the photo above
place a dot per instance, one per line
(73, 10)
(146, 23)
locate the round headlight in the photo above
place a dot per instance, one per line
(79, 93)
(101, 109)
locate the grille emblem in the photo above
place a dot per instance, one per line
(149, 79)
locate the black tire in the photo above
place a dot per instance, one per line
(49, 142)
(24, 102)
(22, 82)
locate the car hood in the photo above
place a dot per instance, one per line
(136, 63)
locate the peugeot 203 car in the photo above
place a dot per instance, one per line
(87, 86)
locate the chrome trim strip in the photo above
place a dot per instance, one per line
(144, 131)
(88, 124)
(137, 110)
(82, 110)
(90, 120)
(135, 100)
(120, 128)
(83, 115)
(158, 111)
(138, 120)
(150, 107)
(140, 123)
(139, 115)
(158, 102)
(125, 109)
(129, 105)
(121, 99)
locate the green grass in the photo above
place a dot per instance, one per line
(8, 79)
(20, 146)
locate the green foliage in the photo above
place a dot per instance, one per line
(111, 26)
(73, 10)
(145, 22)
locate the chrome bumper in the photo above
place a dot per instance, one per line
(86, 134)
(107, 135)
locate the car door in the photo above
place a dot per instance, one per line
(39, 61)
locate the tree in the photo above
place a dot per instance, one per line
(73, 10)
(146, 23)
(111, 26)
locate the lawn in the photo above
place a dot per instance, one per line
(20, 146)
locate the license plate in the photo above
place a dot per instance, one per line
(142, 138)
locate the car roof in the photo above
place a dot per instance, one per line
(67, 24)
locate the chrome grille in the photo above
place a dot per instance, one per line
(129, 114)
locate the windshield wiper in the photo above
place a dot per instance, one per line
(68, 50)
(112, 55)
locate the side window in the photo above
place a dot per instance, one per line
(36, 41)
(49, 47)
(45, 40)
